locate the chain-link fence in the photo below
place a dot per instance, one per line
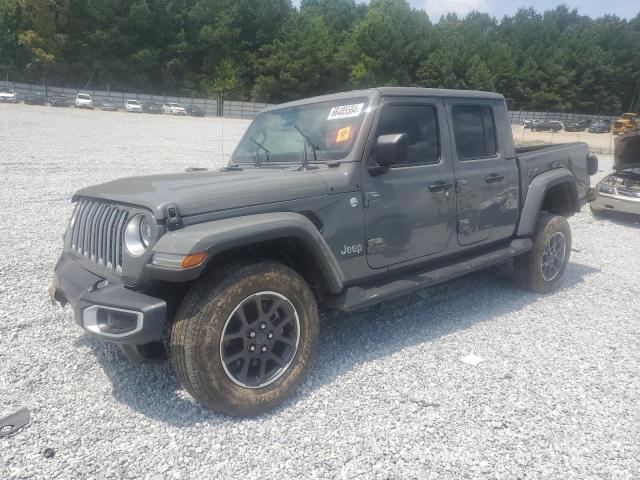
(519, 116)
(601, 143)
(210, 106)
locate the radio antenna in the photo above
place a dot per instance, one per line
(222, 128)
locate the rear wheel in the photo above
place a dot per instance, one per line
(244, 340)
(541, 269)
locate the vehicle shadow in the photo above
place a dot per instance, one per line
(347, 340)
(619, 218)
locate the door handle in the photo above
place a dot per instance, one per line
(493, 178)
(440, 186)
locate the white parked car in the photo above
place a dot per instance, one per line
(8, 95)
(174, 109)
(133, 106)
(84, 100)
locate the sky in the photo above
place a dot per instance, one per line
(498, 8)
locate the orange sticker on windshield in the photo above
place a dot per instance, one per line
(343, 134)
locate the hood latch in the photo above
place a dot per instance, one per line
(174, 220)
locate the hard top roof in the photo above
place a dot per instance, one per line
(396, 91)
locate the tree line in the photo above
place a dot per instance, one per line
(271, 50)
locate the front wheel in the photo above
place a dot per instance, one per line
(541, 269)
(244, 340)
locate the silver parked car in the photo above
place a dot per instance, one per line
(620, 190)
(8, 95)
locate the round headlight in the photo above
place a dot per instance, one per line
(137, 235)
(145, 231)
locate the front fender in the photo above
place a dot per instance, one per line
(536, 193)
(220, 235)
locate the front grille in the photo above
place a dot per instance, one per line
(98, 231)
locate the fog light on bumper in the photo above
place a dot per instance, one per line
(111, 321)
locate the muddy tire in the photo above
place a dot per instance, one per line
(244, 339)
(541, 269)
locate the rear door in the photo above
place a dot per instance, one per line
(486, 181)
(410, 208)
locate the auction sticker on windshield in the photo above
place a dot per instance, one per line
(345, 111)
(343, 134)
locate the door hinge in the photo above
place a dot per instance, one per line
(371, 198)
(460, 185)
(464, 225)
(375, 245)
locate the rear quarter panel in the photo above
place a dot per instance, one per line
(533, 161)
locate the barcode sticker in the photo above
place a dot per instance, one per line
(345, 111)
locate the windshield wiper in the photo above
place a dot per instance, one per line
(260, 147)
(307, 140)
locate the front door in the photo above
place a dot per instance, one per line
(410, 207)
(486, 181)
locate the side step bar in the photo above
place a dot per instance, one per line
(354, 298)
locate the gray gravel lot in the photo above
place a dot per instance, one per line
(556, 395)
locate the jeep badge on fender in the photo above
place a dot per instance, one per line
(351, 250)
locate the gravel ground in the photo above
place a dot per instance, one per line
(556, 395)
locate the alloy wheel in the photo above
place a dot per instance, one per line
(260, 339)
(553, 256)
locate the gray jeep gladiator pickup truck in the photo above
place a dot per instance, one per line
(339, 201)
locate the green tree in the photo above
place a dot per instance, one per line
(299, 62)
(386, 46)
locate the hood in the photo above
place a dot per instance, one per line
(203, 192)
(627, 151)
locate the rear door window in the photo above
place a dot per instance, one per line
(475, 131)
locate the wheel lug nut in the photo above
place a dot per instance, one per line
(252, 348)
(263, 348)
(251, 334)
(270, 335)
(263, 326)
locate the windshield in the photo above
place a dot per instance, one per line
(332, 127)
(84, 97)
(133, 102)
(175, 105)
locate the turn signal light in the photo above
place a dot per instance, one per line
(193, 260)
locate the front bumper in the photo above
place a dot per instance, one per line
(93, 297)
(616, 203)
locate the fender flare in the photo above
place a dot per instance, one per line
(216, 236)
(535, 195)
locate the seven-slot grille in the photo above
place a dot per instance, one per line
(98, 231)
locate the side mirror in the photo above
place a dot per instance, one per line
(392, 149)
